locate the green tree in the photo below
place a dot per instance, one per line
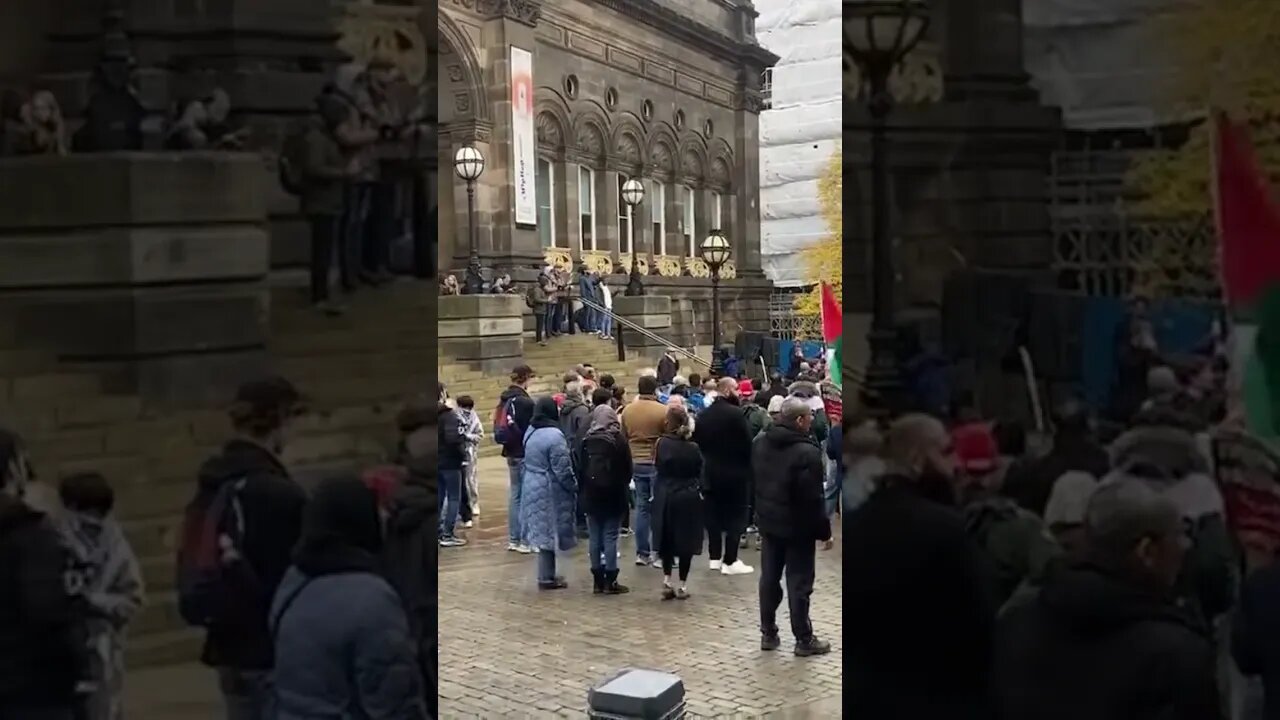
(823, 262)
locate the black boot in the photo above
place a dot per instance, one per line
(611, 586)
(598, 581)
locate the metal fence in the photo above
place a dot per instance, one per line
(1102, 245)
(785, 323)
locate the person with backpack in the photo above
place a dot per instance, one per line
(536, 297)
(410, 553)
(237, 540)
(317, 171)
(342, 640)
(605, 474)
(510, 420)
(41, 638)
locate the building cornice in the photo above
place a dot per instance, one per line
(699, 35)
(526, 12)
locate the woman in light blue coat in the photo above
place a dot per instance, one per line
(548, 492)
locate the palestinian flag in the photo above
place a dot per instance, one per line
(833, 333)
(1249, 241)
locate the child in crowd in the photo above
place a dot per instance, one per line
(473, 433)
(104, 576)
(619, 397)
(697, 398)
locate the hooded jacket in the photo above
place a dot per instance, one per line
(789, 474)
(725, 441)
(1094, 646)
(40, 639)
(273, 505)
(605, 466)
(574, 419)
(343, 643)
(452, 443)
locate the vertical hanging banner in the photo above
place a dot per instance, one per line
(523, 153)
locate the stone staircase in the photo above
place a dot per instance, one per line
(551, 362)
(356, 371)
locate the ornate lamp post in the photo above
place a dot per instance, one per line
(715, 252)
(633, 195)
(468, 163)
(878, 34)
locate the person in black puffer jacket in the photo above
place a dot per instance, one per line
(722, 434)
(603, 480)
(452, 446)
(411, 553)
(1105, 639)
(791, 513)
(40, 660)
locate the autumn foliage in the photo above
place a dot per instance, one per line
(824, 261)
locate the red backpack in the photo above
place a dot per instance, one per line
(213, 577)
(384, 480)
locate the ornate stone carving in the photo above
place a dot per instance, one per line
(456, 73)
(720, 173)
(591, 141)
(750, 101)
(558, 258)
(697, 267)
(728, 271)
(628, 151)
(691, 165)
(550, 134)
(661, 159)
(668, 266)
(597, 261)
(918, 79)
(624, 264)
(523, 11)
(462, 103)
(397, 39)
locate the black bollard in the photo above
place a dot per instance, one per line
(635, 694)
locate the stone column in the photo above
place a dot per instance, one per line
(651, 312)
(608, 227)
(566, 203)
(572, 218)
(486, 331)
(681, 248)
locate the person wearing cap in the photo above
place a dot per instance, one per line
(515, 406)
(239, 645)
(1017, 543)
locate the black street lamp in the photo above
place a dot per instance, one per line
(878, 34)
(469, 163)
(715, 252)
(633, 195)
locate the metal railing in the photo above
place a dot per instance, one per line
(644, 332)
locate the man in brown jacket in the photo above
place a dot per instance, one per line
(642, 422)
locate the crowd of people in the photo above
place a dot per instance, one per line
(1096, 578)
(683, 465)
(553, 307)
(262, 564)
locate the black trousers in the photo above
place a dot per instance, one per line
(566, 314)
(668, 561)
(324, 234)
(382, 223)
(725, 522)
(796, 559)
(540, 323)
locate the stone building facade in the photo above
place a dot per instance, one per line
(663, 91)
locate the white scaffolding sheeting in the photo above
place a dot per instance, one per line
(801, 132)
(1097, 60)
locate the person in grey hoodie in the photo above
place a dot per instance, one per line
(106, 580)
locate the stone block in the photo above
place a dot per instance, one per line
(480, 327)
(130, 189)
(627, 305)
(463, 307)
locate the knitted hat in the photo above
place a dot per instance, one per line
(975, 447)
(746, 389)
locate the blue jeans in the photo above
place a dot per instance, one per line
(550, 314)
(644, 475)
(606, 324)
(450, 497)
(834, 486)
(515, 471)
(603, 542)
(546, 566)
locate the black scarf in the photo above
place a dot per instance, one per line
(342, 531)
(546, 414)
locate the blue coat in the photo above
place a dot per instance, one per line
(548, 491)
(343, 650)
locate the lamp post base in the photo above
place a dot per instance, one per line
(882, 390)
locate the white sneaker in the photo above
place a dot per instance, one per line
(468, 524)
(512, 547)
(737, 568)
(716, 565)
(523, 549)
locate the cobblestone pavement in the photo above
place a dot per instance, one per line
(510, 651)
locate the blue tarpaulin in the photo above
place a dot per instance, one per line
(1180, 327)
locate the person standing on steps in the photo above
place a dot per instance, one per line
(551, 309)
(605, 472)
(325, 172)
(668, 368)
(642, 423)
(677, 501)
(606, 301)
(237, 641)
(510, 420)
(792, 516)
(536, 298)
(722, 434)
(548, 493)
(40, 638)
